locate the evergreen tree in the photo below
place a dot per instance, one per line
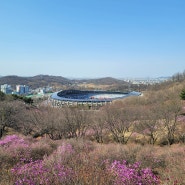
(28, 100)
(23, 98)
(182, 95)
(2, 96)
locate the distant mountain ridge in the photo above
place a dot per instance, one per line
(45, 80)
(35, 81)
(104, 81)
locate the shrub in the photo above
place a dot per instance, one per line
(12, 140)
(126, 174)
(175, 163)
(63, 154)
(82, 162)
(39, 150)
(15, 147)
(6, 159)
(148, 157)
(182, 94)
(36, 172)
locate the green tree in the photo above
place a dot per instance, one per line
(23, 98)
(2, 96)
(182, 95)
(28, 100)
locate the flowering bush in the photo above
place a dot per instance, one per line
(65, 149)
(62, 155)
(36, 172)
(13, 140)
(28, 161)
(126, 174)
(50, 170)
(16, 148)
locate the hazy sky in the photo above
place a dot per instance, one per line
(92, 38)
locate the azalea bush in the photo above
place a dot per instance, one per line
(16, 149)
(36, 172)
(13, 140)
(127, 174)
(49, 170)
(26, 161)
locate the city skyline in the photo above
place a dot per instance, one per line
(92, 39)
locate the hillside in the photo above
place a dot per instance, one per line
(59, 81)
(35, 81)
(104, 81)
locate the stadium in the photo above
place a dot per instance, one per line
(89, 98)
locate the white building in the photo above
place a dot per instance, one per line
(6, 89)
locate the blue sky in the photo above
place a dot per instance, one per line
(92, 38)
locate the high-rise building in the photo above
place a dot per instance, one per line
(6, 89)
(26, 89)
(22, 89)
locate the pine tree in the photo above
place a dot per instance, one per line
(2, 96)
(182, 95)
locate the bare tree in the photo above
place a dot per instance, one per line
(149, 123)
(98, 125)
(76, 122)
(58, 123)
(170, 111)
(120, 122)
(9, 111)
(170, 107)
(46, 121)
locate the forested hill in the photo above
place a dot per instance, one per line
(104, 81)
(35, 81)
(44, 80)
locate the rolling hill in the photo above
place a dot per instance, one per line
(104, 81)
(35, 81)
(59, 81)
